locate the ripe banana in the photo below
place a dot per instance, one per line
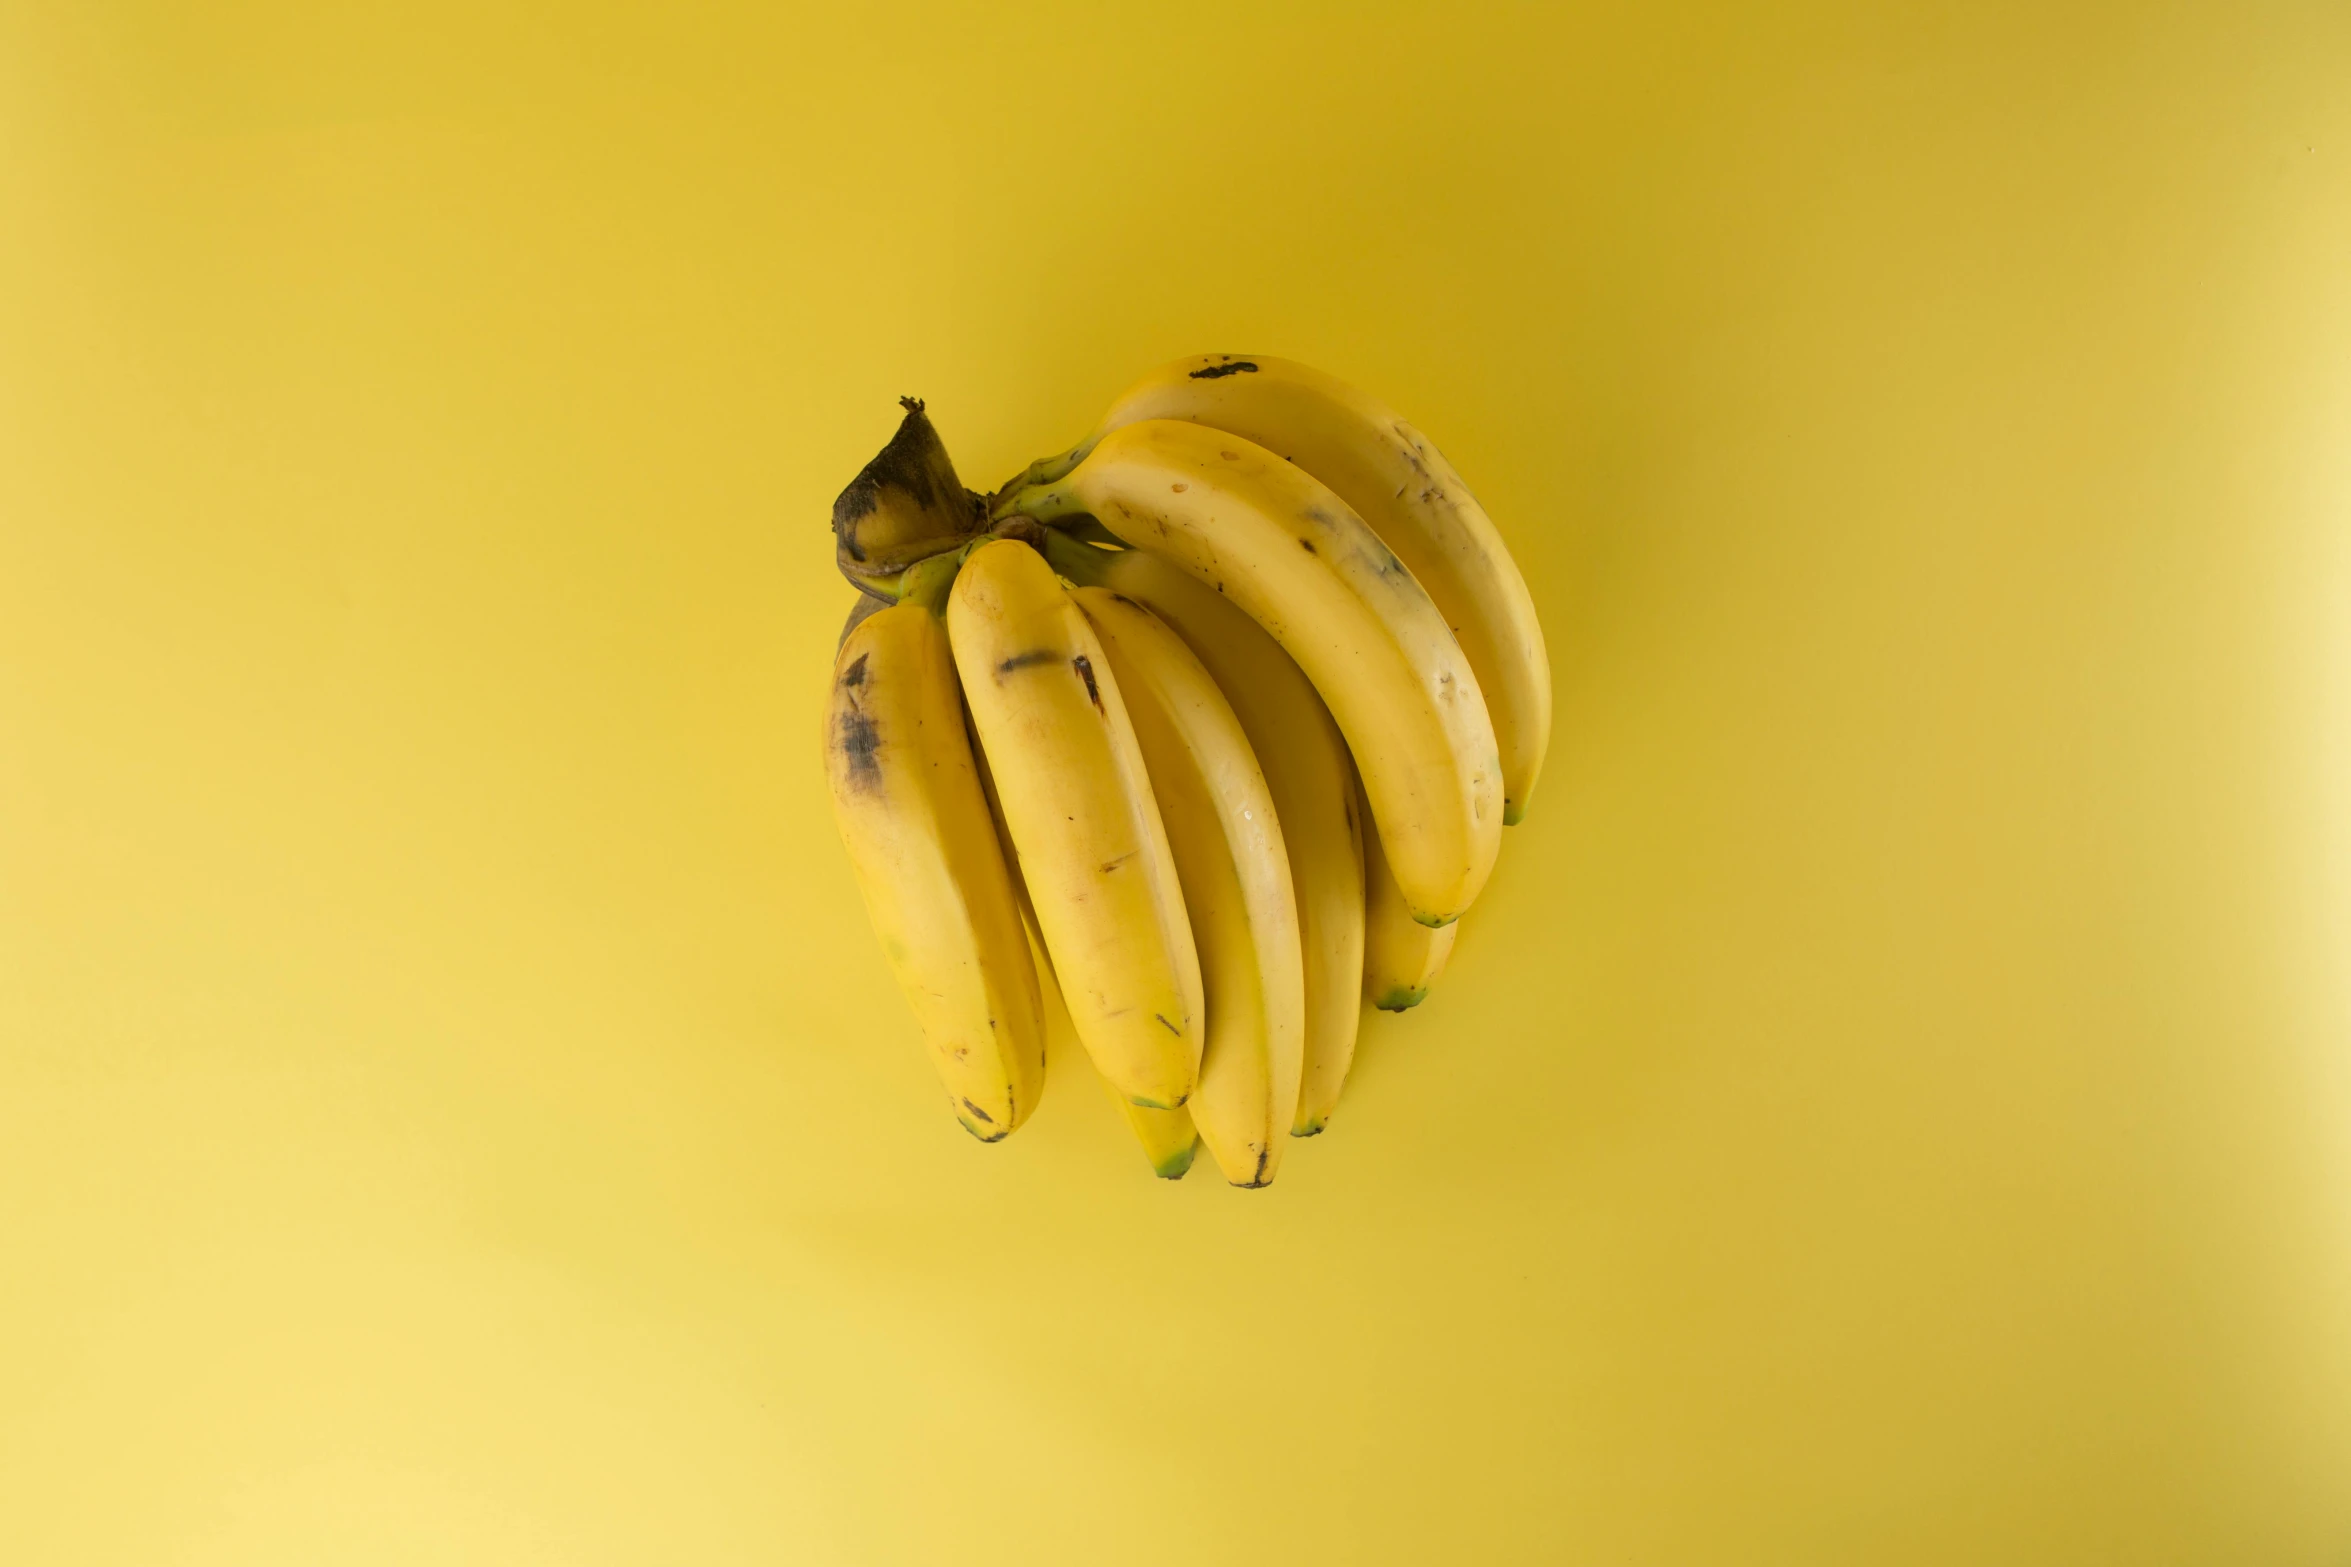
(910, 809)
(1236, 883)
(1401, 957)
(1277, 542)
(1083, 821)
(1168, 1137)
(1400, 484)
(1242, 776)
(1304, 759)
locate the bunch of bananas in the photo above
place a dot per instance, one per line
(1215, 718)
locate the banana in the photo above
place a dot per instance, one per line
(1278, 543)
(1401, 957)
(1083, 821)
(911, 811)
(1168, 1137)
(1304, 759)
(1402, 486)
(1236, 883)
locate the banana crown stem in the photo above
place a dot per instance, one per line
(1044, 502)
(927, 581)
(1050, 470)
(1080, 562)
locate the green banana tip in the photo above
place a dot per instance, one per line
(928, 581)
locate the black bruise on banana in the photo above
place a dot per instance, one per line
(1028, 660)
(1219, 372)
(982, 1114)
(860, 742)
(1085, 668)
(1170, 1027)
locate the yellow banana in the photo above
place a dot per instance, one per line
(1400, 484)
(1401, 957)
(1079, 806)
(1278, 543)
(910, 809)
(1168, 1137)
(1236, 881)
(1307, 771)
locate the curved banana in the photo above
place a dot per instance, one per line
(1083, 821)
(1401, 957)
(1306, 768)
(1236, 880)
(1168, 1137)
(1274, 540)
(1401, 485)
(910, 809)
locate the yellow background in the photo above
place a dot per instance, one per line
(1894, 1104)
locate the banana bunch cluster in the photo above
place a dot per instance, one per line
(1215, 718)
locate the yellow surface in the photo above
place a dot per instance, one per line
(1894, 1104)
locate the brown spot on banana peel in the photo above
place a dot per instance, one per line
(860, 741)
(1085, 668)
(1170, 1027)
(1028, 660)
(982, 1114)
(1218, 372)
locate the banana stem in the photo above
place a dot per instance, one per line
(1081, 563)
(1044, 502)
(927, 582)
(1048, 470)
